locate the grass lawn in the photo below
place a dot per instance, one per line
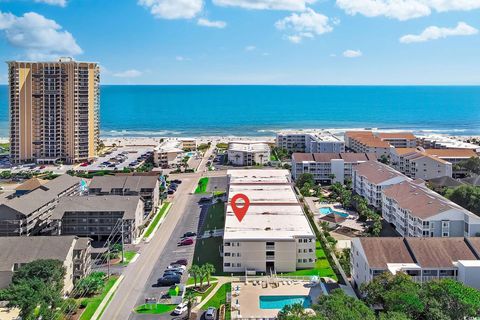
(192, 281)
(95, 301)
(202, 185)
(156, 219)
(128, 257)
(206, 293)
(219, 298)
(322, 266)
(222, 145)
(215, 218)
(207, 250)
(155, 308)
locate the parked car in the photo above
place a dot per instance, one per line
(211, 314)
(186, 242)
(168, 281)
(177, 181)
(169, 273)
(205, 199)
(181, 308)
(85, 164)
(183, 262)
(189, 234)
(170, 191)
(177, 266)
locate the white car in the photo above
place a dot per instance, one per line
(181, 308)
(177, 266)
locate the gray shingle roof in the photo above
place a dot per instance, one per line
(39, 197)
(126, 204)
(132, 183)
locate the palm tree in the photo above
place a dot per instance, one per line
(292, 311)
(189, 298)
(195, 273)
(261, 158)
(202, 274)
(209, 269)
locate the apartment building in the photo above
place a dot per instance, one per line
(371, 177)
(147, 187)
(73, 252)
(417, 163)
(310, 141)
(188, 143)
(29, 213)
(416, 211)
(424, 259)
(275, 234)
(54, 111)
(248, 153)
(99, 216)
(328, 167)
(378, 142)
(436, 141)
(168, 153)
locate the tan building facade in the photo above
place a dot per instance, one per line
(54, 110)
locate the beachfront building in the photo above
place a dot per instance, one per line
(309, 141)
(248, 153)
(436, 141)
(424, 259)
(416, 211)
(328, 167)
(417, 163)
(28, 213)
(53, 111)
(429, 163)
(189, 144)
(275, 234)
(147, 187)
(72, 251)
(371, 177)
(99, 216)
(168, 153)
(378, 142)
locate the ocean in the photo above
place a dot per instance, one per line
(178, 110)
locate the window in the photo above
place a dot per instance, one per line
(226, 264)
(227, 254)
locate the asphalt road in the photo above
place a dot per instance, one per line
(140, 277)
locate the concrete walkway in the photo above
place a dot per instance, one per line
(220, 281)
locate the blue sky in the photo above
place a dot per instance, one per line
(251, 41)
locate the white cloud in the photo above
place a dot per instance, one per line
(250, 48)
(289, 5)
(404, 9)
(352, 53)
(173, 9)
(132, 73)
(38, 36)
(212, 24)
(304, 25)
(434, 33)
(61, 3)
(182, 58)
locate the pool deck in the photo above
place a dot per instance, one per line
(249, 297)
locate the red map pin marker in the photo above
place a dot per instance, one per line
(240, 212)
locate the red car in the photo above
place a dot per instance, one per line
(183, 262)
(186, 242)
(85, 164)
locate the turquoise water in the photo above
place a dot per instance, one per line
(260, 110)
(278, 302)
(329, 210)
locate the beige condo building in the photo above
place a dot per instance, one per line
(54, 110)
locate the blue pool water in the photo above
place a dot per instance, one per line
(329, 210)
(278, 302)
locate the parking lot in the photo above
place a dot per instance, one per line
(121, 158)
(171, 253)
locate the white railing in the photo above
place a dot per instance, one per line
(430, 278)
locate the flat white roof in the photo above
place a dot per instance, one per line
(169, 146)
(449, 142)
(274, 212)
(248, 146)
(258, 176)
(319, 135)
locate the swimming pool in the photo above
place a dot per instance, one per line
(278, 302)
(328, 210)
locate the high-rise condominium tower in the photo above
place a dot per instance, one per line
(53, 111)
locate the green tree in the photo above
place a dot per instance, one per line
(303, 179)
(472, 166)
(453, 299)
(393, 315)
(339, 306)
(91, 284)
(209, 269)
(69, 306)
(292, 312)
(395, 293)
(189, 297)
(466, 196)
(194, 272)
(384, 159)
(38, 284)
